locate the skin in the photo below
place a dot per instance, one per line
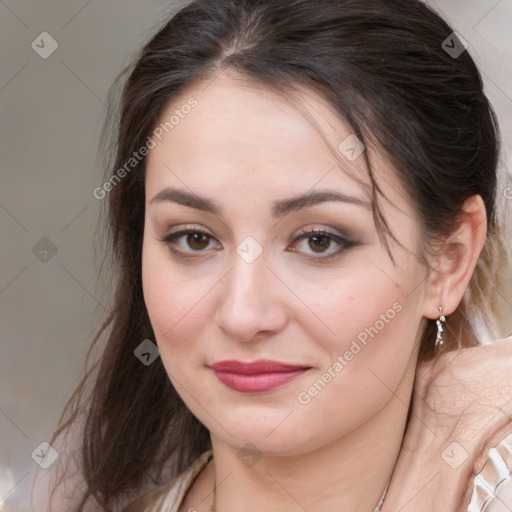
(245, 147)
(462, 399)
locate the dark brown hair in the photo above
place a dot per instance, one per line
(382, 66)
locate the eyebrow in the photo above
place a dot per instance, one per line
(279, 208)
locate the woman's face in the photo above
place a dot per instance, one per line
(248, 285)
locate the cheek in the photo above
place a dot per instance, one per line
(369, 323)
(375, 328)
(177, 309)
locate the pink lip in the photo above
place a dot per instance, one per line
(256, 377)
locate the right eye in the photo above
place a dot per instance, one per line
(195, 239)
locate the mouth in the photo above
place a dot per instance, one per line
(258, 376)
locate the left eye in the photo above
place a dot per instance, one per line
(321, 239)
(319, 242)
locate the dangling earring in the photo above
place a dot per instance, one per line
(440, 343)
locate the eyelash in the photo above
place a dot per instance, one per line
(170, 241)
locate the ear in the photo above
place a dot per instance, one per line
(455, 261)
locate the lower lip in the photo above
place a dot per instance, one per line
(258, 383)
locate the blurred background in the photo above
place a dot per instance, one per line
(58, 60)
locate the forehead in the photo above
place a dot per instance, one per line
(232, 133)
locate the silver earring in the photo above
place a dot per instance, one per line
(440, 343)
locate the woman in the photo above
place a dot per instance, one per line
(302, 207)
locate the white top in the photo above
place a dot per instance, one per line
(492, 487)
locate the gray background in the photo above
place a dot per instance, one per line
(51, 113)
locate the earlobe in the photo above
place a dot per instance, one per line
(456, 260)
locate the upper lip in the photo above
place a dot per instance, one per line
(255, 367)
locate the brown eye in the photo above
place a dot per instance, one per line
(319, 242)
(186, 242)
(197, 240)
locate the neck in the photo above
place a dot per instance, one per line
(350, 473)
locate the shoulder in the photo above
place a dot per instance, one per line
(170, 496)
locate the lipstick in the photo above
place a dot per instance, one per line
(256, 377)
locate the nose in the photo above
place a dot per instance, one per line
(251, 303)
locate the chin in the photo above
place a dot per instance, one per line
(272, 437)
